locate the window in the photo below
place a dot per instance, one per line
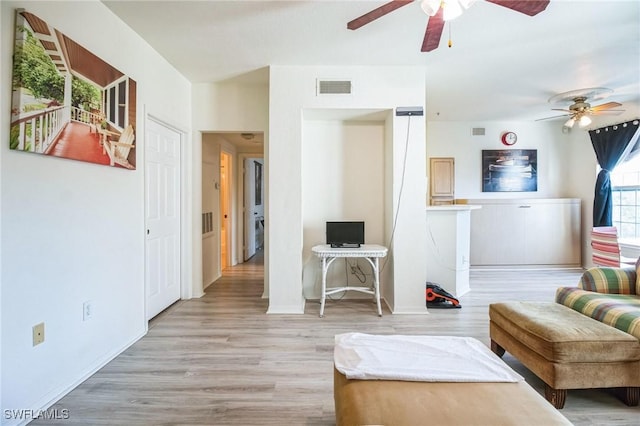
(122, 98)
(625, 189)
(116, 103)
(112, 104)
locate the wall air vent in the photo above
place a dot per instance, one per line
(207, 222)
(333, 87)
(477, 131)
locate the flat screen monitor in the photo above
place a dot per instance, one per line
(345, 234)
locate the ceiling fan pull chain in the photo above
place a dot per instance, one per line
(450, 42)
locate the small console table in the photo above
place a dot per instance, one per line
(371, 252)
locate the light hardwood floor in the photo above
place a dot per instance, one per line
(221, 360)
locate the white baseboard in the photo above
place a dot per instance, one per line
(287, 309)
(406, 312)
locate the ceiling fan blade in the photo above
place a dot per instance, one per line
(555, 116)
(608, 112)
(560, 109)
(608, 105)
(528, 7)
(435, 25)
(377, 13)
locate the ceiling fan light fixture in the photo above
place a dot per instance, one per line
(451, 9)
(584, 121)
(466, 4)
(570, 122)
(430, 7)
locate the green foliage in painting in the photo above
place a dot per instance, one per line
(84, 95)
(34, 70)
(13, 137)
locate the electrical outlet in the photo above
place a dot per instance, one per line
(38, 334)
(87, 311)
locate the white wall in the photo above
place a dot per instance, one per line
(386, 266)
(408, 231)
(211, 203)
(454, 139)
(292, 90)
(342, 179)
(231, 106)
(74, 231)
(566, 161)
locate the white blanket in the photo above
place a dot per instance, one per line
(419, 358)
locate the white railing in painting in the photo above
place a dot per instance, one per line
(86, 117)
(39, 129)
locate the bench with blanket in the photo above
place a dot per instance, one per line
(416, 380)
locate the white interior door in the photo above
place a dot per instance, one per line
(249, 211)
(162, 181)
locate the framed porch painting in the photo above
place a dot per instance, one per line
(510, 170)
(67, 102)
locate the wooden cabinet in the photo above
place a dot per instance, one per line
(533, 232)
(441, 180)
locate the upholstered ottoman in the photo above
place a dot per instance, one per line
(565, 349)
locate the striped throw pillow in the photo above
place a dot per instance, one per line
(609, 280)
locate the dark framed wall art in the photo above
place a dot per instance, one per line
(510, 170)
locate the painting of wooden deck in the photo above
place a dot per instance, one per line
(66, 101)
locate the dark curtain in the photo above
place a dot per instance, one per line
(609, 144)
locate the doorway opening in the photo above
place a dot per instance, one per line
(227, 157)
(225, 210)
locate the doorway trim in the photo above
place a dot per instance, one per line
(240, 175)
(241, 207)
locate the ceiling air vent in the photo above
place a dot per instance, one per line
(477, 131)
(334, 87)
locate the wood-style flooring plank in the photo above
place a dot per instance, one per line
(220, 360)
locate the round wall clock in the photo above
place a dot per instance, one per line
(509, 138)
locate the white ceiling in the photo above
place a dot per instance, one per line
(503, 65)
(246, 141)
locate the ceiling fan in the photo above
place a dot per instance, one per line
(439, 11)
(580, 110)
